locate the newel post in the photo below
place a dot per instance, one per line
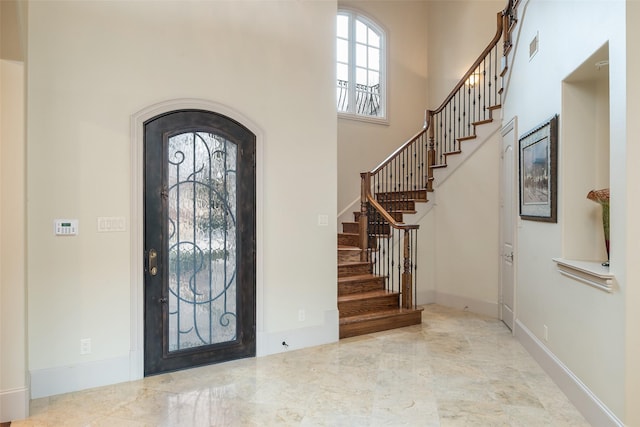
(431, 152)
(363, 222)
(407, 277)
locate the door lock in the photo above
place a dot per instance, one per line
(153, 262)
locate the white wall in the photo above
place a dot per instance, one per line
(586, 327)
(362, 146)
(466, 215)
(270, 61)
(14, 393)
(462, 228)
(13, 309)
(632, 226)
(458, 32)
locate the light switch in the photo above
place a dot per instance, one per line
(108, 224)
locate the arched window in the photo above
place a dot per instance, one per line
(360, 66)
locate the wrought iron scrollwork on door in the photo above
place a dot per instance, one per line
(201, 200)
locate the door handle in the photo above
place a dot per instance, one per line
(153, 262)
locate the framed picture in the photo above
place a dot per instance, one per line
(539, 172)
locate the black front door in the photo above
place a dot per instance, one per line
(200, 240)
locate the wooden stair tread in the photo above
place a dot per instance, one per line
(403, 211)
(449, 153)
(358, 278)
(466, 138)
(366, 295)
(353, 263)
(365, 304)
(368, 323)
(380, 315)
(407, 194)
(482, 122)
(350, 268)
(348, 248)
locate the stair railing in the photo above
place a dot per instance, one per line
(468, 105)
(389, 245)
(407, 174)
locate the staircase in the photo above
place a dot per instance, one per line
(377, 261)
(364, 302)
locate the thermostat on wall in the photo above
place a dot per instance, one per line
(65, 227)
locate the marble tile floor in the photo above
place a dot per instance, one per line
(456, 369)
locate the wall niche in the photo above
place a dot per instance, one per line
(584, 144)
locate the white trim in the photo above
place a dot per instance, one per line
(65, 379)
(510, 126)
(591, 273)
(136, 356)
(325, 333)
(14, 404)
(485, 308)
(344, 115)
(594, 411)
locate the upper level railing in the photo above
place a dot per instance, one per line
(407, 174)
(367, 99)
(469, 103)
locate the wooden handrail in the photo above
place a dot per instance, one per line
(409, 169)
(398, 150)
(429, 114)
(387, 217)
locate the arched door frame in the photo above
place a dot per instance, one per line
(136, 353)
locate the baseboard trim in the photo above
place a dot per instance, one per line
(578, 393)
(425, 296)
(326, 333)
(485, 308)
(14, 404)
(65, 379)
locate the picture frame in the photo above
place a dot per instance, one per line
(538, 172)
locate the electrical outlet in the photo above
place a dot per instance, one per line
(546, 333)
(301, 315)
(85, 346)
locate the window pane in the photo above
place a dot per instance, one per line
(342, 72)
(374, 39)
(361, 55)
(374, 78)
(361, 32)
(361, 76)
(343, 26)
(359, 66)
(342, 50)
(374, 59)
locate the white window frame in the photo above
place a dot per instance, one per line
(355, 16)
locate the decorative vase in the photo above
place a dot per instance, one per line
(602, 197)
